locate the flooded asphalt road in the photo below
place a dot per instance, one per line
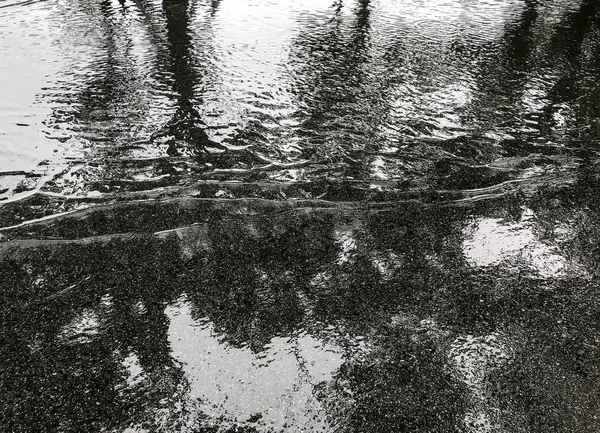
(307, 216)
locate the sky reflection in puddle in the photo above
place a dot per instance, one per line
(274, 385)
(494, 241)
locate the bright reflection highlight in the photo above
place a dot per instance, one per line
(274, 386)
(492, 241)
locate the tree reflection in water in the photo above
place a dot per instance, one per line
(454, 310)
(448, 340)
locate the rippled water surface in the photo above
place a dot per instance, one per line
(285, 216)
(338, 100)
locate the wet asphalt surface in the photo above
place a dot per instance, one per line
(368, 216)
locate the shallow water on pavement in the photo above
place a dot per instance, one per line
(329, 216)
(340, 99)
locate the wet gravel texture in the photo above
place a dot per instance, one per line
(349, 216)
